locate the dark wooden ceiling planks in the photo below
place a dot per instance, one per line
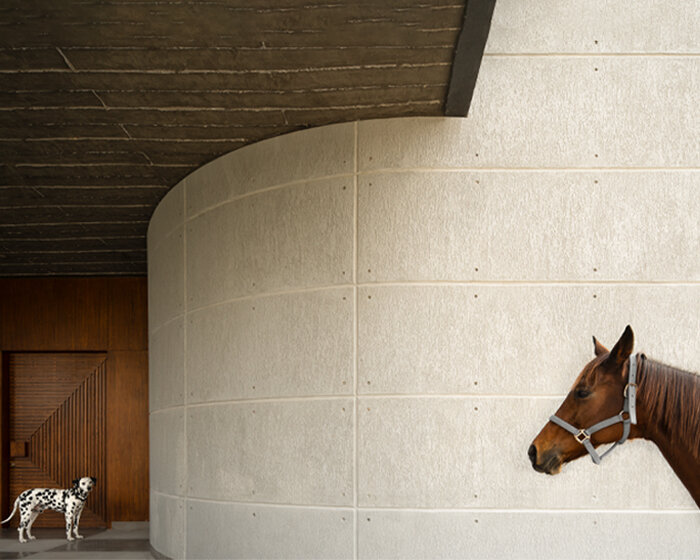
(105, 105)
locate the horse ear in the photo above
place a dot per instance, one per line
(622, 348)
(598, 348)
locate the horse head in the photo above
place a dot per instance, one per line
(597, 395)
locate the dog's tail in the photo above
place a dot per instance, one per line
(14, 509)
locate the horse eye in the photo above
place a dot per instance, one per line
(582, 393)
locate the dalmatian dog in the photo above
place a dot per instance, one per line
(70, 502)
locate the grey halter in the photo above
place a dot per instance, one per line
(628, 415)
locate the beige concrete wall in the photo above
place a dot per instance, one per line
(357, 330)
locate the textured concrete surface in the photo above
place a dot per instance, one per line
(260, 339)
(528, 535)
(167, 525)
(166, 285)
(371, 341)
(598, 26)
(315, 153)
(167, 353)
(292, 452)
(167, 451)
(431, 225)
(241, 531)
(273, 241)
(532, 339)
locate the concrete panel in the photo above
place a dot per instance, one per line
(167, 525)
(301, 156)
(166, 368)
(297, 237)
(416, 453)
(292, 452)
(597, 26)
(166, 280)
(233, 531)
(291, 345)
(466, 452)
(512, 339)
(167, 450)
(553, 112)
(527, 535)
(528, 226)
(168, 215)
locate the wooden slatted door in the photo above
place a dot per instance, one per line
(57, 407)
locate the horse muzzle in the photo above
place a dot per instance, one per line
(549, 462)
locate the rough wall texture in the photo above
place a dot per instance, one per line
(357, 330)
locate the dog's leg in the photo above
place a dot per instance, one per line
(32, 518)
(69, 526)
(25, 515)
(76, 523)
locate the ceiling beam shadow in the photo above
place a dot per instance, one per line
(468, 55)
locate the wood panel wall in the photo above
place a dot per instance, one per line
(90, 315)
(58, 427)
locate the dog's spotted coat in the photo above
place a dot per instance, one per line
(70, 502)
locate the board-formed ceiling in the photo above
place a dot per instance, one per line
(105, 105)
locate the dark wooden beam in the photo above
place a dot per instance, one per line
(468, 55)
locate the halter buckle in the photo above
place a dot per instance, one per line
(582, 436)
(627, 387)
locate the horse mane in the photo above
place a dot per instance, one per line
(672, 397)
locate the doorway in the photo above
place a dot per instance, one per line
(56, 416)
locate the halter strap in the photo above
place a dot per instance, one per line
(630, 391)
(628, 415)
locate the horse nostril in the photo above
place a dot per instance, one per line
(532, 453)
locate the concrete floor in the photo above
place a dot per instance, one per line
(123, 541)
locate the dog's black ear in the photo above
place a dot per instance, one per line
(94, 480)
(76, 482)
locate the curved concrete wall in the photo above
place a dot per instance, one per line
(357, 330)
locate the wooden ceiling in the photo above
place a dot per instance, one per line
(105, 105)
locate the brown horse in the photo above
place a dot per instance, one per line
(600, 408)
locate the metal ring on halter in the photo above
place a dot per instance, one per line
(582, 436)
